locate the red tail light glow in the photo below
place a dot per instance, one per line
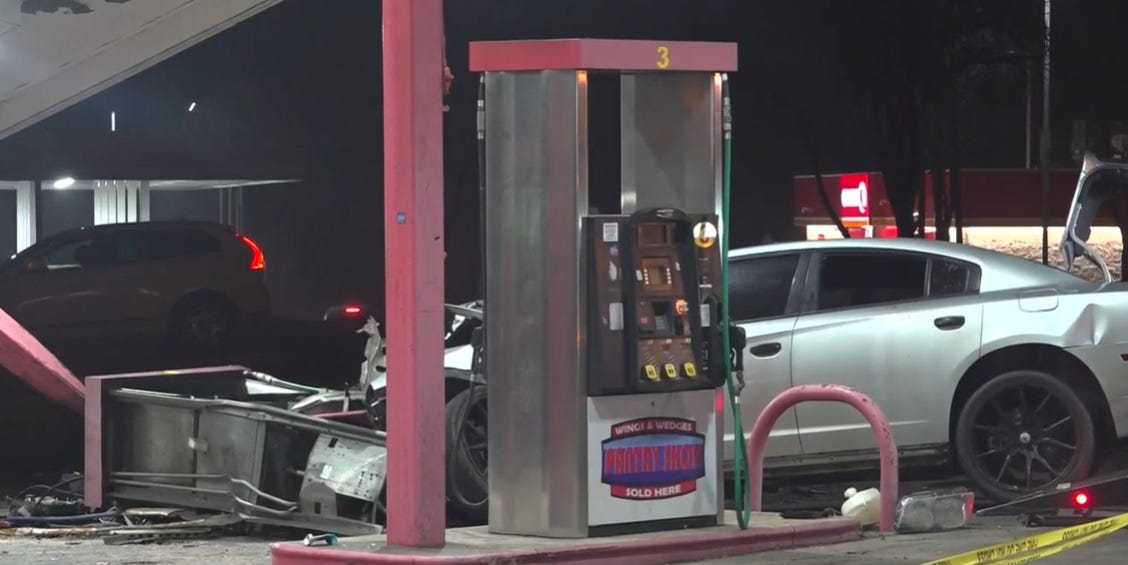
(352, 310)
(1081, 500)
(258, 260)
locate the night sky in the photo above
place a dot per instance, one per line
(296, 92)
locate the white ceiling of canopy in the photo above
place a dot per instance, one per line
(55, 53)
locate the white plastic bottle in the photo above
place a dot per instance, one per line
(865, 506)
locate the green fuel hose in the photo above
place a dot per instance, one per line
(740, 466)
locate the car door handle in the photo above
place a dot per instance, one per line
(949, 322)
(765, 349)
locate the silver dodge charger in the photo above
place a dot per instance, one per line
(1014, 370)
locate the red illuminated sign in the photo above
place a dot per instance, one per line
(992, 197)
(854, 203)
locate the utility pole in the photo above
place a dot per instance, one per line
(1029, 96)
(1045, 140)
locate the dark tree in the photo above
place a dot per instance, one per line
(808, 138)
(917, 65)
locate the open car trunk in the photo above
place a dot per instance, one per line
(1100, 182)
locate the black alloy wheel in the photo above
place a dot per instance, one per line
(467, 454)
(1022, 431)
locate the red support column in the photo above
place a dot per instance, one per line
(413, 219)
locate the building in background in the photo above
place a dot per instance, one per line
(1001, 211)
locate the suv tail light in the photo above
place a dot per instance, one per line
(258, 260)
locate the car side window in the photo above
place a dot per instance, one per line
(760, 287)
(81, 253)
(864, 279)
(133, 247)
(64, 257)
(948, 278)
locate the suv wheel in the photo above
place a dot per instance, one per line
(203, 323)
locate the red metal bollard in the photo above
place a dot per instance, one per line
(826, 393)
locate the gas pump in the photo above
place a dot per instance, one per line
(604, 353)
(653, 375)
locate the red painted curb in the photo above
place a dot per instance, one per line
(649, 551)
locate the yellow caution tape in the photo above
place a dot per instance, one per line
(1036, 547)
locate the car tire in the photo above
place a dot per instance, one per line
(467, 477)
(1023, 431)
(202, 323)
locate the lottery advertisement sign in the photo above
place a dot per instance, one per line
(653, 458)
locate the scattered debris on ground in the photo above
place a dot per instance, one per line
(54, 511)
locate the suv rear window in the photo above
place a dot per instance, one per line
(179, 243)
(157, 245)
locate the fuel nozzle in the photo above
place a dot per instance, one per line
(738, 339)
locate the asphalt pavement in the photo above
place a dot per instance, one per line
(873, 550)
(923, 548)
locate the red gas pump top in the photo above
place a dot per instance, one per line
(602, 55)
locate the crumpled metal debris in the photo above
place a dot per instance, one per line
(375, 354)
(115, 533)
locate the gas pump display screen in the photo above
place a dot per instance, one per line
(653, 234)
(656, 273)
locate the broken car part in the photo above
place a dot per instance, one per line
(934, 510)
(1100, 181)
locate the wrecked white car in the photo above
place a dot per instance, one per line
(467, 486)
